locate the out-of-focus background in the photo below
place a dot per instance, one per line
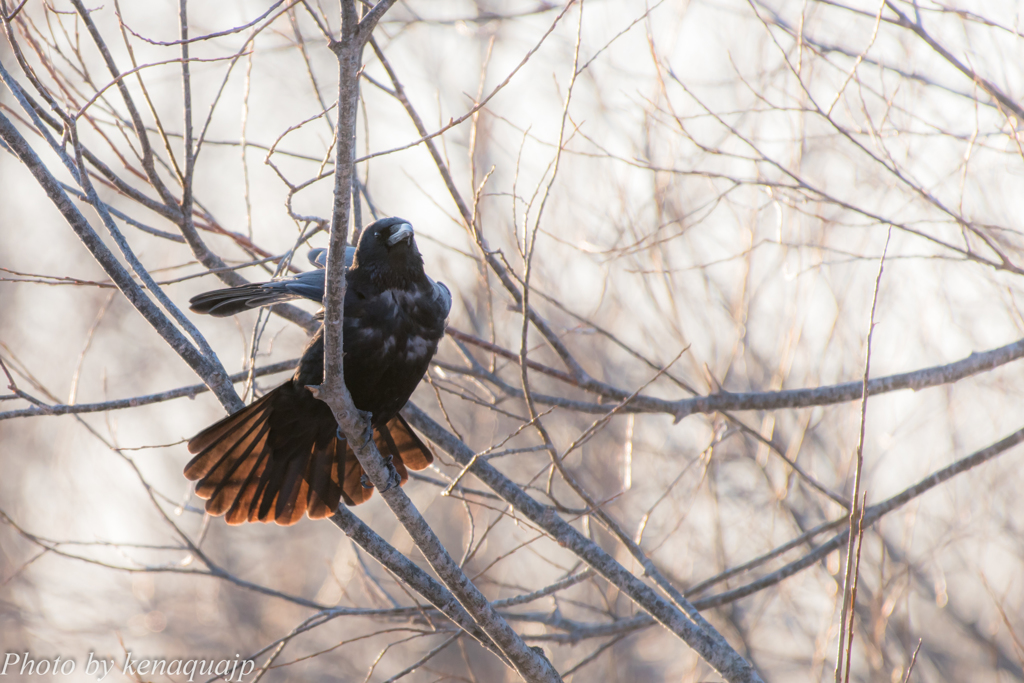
(730, 174)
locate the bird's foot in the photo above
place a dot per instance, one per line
(394, 478)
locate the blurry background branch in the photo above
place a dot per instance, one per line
(718, 185)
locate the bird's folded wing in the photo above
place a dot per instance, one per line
(222, 303)
(442, 294)
(318, 257)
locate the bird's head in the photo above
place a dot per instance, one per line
(388, 249)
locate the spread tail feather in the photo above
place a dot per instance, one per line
(280, 458)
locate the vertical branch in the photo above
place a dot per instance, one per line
(357, 212)
(856, 511)
(347, 51)
(530, 664)
(243, 144)
(188, 153)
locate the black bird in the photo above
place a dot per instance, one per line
(282, 455)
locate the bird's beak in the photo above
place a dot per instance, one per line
(403, 231)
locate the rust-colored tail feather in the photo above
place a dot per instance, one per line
(280, 458)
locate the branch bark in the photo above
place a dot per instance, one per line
(208, 368)
(530, 663)
(710, 647)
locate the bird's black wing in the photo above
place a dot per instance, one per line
(222, 303)
(389, 339)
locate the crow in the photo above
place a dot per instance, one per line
(283, 455)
